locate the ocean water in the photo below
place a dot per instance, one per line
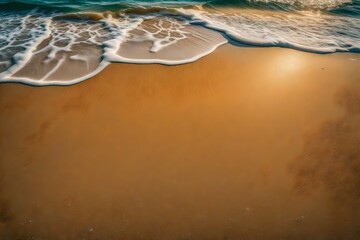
(62, 42)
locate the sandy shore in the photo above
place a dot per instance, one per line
(243, 144)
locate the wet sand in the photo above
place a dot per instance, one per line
(246, 143)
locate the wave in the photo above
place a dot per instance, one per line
(68, 45)
(283, 4)
(9, 6)
(310, 32)
(341, 6)
(61, 6)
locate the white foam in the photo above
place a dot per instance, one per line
(323, 4)
(306, 31)
(38, 50)
(38, 29)
(172, 42)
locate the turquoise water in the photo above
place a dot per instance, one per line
(336, 6)
(55, 35)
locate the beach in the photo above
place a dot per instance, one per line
(245, 143)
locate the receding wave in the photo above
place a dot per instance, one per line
(70, 41)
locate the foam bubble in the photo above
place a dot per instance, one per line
(67, 52)
(66, 49)
(322, 4)
(306, 31)
(166, 41)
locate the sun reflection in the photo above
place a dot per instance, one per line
(288, 63)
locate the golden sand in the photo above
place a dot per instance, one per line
(242, 144)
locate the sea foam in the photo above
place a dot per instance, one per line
(62, 49)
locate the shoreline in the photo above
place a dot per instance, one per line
(69, 48)
(353, 57)
(245, 143)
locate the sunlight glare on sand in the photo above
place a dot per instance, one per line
(288, 64)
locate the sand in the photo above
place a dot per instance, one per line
(246, 143)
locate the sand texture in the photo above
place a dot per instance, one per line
(246, 143)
